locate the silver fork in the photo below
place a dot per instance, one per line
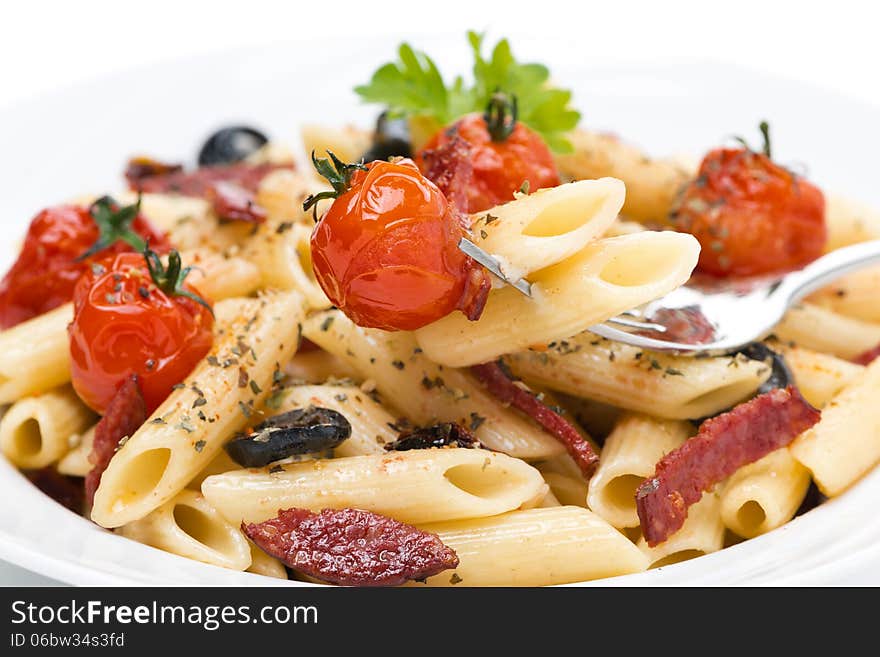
(732, 313)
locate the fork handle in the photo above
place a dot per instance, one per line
(828, 268)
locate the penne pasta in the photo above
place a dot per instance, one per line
(818, 376)
(615, 274)
(263, 564)
(845, 444)
(76, 462)
(849, 222)
(189, 527)
(853, 295)
(176, 443)
(281, 193)
(36, 431)
(416, 486)
(34, 356)
(537, 547)
(651, 184)
(628, 457)
(764, 495)
(318, 366)
(283, 256)
(655, 384)
(824, 330)
(347, 143)
(424, 391)
(702, 533)
(548, 226)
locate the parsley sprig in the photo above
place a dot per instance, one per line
(114, 225)
(413, 86)
(170, 279)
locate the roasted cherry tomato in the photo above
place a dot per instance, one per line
(386, 252)
(132, 315)
(505, 154)
(751, 215)
(51, 260)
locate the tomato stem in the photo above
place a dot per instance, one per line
(501, 115)
(170, 279)
(337, 173)
(764, 127)
(114, 225)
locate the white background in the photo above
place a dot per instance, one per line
(46, 45)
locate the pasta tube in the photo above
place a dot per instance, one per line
(651, 184)
(655, 384)
(845, 443)
(76, 462)
(424, 391)
(702, 533)
(36, 431)
(606, 278)
(538, 547)
(189, 527)
(764, 495)
(548, 226)
(416, 486)
(824, 330)
(628, 457)
(185, 434)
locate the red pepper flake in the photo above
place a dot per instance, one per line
(506, 390)
(722, 446)
(350, 547)
(125, 415)
(867, 357)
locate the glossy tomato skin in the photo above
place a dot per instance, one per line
(501, 167)
(750, 215)
(46, 271)
(123, 325)
(386, 252)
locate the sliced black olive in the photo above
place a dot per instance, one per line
(448, 434)
(390, 139)
(232, 144)
(300, 431)
(780, 376)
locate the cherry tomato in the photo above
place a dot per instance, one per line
(750, 215)
(47, 268)
(504, 155)
(135, 318)
(386, 252)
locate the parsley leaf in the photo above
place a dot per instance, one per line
(413, 86)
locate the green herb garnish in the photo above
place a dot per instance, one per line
(114, 225)
(412, 86)
(170, 279)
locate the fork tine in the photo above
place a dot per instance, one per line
(637, 324)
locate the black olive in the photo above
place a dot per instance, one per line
(390, 139)
(229, 145)
(300, 431)
(448, 434)
(780, 376)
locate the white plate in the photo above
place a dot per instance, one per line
(77, 140)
